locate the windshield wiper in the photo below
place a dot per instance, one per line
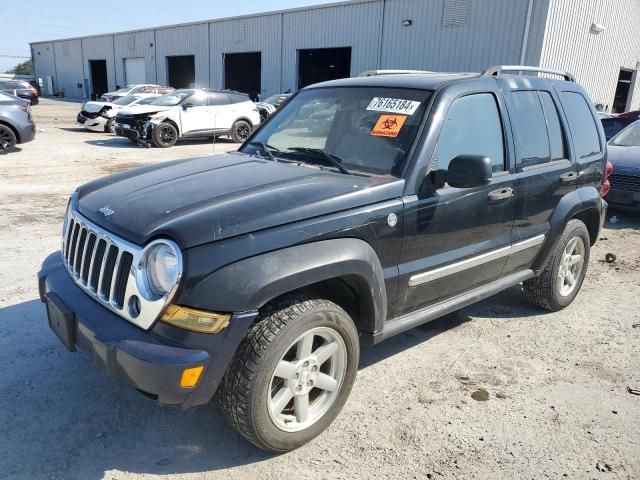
(332, 159)
(266, 149)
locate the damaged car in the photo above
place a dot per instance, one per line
(271, 104)
(100, 116)
(189, 113)
(135, 89)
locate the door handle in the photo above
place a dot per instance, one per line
(501, 194)
(569, 177)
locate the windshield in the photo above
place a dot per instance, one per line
(125, 89)
(629, 137)
(172, 98)
(125, 100)
(146, 101)
(369, 130)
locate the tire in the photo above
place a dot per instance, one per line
(560, 281)
(110, 126)
(165, 135)
(8, 139)
(240, 131)
(263, 115)
(251, 390)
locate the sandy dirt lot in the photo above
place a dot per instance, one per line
(497, 390)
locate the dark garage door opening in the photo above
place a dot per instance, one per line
(322, 64)
(242, 73)
(623, 90)
(99, 82)
(181, 71)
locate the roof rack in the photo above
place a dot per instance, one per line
(374, 73)
(499, 69)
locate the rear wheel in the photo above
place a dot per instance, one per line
(560, 281)
(8, 139)
(240, 131)
(164, 135)
(292, 374)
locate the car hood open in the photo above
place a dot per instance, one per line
(201, 200)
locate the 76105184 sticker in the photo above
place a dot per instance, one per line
(393, 105)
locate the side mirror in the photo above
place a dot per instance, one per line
(469, 171)
(185, 106)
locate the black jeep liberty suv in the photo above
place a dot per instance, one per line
(364, 207)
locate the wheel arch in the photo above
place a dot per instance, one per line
(172, 122)
(13, 129)
(345, 271)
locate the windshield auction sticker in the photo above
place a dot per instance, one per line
(388, 126)
(393, 105)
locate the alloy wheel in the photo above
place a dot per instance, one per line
(571, 266)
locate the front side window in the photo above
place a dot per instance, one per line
(582, 124)
(367, 130)
(198, 99)
(472, 127)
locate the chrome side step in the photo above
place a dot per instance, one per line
(413, 319)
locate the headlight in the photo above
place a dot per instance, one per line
(160, 269)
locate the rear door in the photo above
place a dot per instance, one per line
(456, 239)
(222, 111)
(544, 162)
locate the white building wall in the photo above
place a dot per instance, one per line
(99, 48)
(355, 25)
(140, 44)
(69, 68)
(595, 59)
(184, 40)
(248, 34)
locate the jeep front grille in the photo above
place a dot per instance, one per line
(106, 267)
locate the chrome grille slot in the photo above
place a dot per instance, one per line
(109, 269)
(107, 272)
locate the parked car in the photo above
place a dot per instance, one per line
(271, 104)
(616, 123)
(135, 89)
(20, 88)
(624, 154)
(258, 273)
(100, 116)
(16, 123)
(189, 113)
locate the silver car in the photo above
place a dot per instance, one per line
(16, 124)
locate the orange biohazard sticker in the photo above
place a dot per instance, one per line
(388, 126)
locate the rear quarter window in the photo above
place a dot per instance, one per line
(583, 128)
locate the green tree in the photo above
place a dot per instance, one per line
(24, 68)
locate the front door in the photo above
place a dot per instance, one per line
(195, 115)
(458, 238)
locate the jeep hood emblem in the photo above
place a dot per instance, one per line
(106, 211)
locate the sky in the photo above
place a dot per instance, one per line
(39, 20)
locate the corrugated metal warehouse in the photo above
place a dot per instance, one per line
(598, 41)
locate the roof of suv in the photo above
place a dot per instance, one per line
(423, 81)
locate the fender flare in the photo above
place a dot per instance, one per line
(251, 283)
(580, 201)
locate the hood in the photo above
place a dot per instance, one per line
(96, 106)
(142, 109)
(201, 200)
(625, 160)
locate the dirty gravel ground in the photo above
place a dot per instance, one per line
(497, 390)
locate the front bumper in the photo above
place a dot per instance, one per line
(151, 361)
(96, 124)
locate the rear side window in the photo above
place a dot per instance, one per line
(556, 139)
(472, 127)
(530, 128)
(582, 124)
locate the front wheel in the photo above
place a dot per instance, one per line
(110, 126)
(164, 135)
(8, 139)
(559, 283)
(292, 374)
(240, 131)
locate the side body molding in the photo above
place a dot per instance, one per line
(251, 283)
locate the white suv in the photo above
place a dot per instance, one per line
(189, 113)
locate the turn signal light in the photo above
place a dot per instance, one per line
(190, 376)
(195, 320)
